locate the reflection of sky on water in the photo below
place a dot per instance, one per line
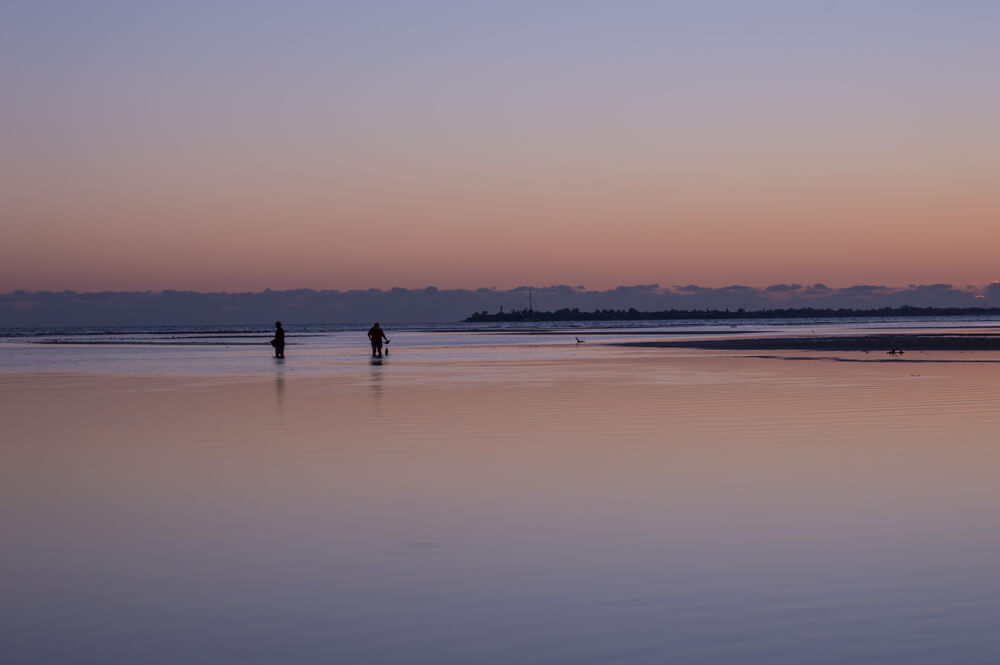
(534, 504)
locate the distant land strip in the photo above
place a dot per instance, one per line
(633, 314)
(880, 342)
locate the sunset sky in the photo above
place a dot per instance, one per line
(244, 145)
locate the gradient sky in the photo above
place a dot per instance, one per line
(245, 145)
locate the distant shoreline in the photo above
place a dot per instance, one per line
(867, 343)
(632, 314)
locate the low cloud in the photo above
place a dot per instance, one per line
(817, 290)
(399, 305)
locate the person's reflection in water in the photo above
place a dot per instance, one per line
(279, 393)
(376, 387)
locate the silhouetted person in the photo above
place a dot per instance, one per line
(279, 340)
(376, 335)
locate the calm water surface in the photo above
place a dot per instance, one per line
(518, 500)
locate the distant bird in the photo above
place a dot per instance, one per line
(578, 340)
(894, 352)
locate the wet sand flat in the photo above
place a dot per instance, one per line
(548, 505)
(951, 341)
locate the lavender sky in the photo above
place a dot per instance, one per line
(249, 145)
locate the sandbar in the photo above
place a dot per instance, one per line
(951, 341)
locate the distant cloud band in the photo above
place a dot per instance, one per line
(399, 305)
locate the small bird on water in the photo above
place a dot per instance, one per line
(578, 340)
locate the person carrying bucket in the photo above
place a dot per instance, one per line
(376, 335)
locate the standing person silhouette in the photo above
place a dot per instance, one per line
(376, 335)
(279, 340)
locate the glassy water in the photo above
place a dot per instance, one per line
(513, 499)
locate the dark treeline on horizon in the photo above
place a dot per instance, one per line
(633, 314)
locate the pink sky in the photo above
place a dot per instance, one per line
(343, 152)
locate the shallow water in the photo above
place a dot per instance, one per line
(510, 499)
